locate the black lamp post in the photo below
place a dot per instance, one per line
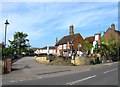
(6, 23)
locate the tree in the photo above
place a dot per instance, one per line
(20, 43)
(109, 49)
(114, 50)
(7, 52)
(103, 41)
(111, 40)
(104, 50)
(88, 46)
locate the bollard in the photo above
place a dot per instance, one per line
(4, 67)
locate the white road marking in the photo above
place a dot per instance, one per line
(21, 80)
(108, 64)
(77, 81)
(29, 79)
(110, 70)
(36, 78)
(40, 77)
(13, 81)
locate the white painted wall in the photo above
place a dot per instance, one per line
(50, 51)
(37, 51)
(96, 37)
(64, 46)
(60, 47)
(94, 43)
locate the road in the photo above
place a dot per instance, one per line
(107, 75)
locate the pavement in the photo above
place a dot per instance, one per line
(27, 69)
(105, 76)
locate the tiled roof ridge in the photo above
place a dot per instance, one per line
(89, 36)
(72, 35)
(62, 40)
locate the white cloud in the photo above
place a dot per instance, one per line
(40, 19)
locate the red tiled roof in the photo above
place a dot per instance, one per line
(90, 39)
(66, 39)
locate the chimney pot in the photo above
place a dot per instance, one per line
(113, 26)
(71, 30)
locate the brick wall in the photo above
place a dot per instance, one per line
(78, 40)
(110, 32)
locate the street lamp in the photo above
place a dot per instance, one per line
(6, 23)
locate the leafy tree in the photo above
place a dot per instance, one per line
(88, 46)
(20, 43)
(7, 52)
(104, 50)
(109, 49)
(30, 52)
(102, 41)
(111, 40)
(113, 50)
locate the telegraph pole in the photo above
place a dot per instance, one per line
(6, 23)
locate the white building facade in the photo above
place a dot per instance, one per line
(46, 50)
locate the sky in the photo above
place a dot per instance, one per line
(44, 21)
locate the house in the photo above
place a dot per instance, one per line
(46, 50)
(112, 32)
(94, 40)
(90, 39)
(70, 43)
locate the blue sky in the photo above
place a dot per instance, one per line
(44, 21)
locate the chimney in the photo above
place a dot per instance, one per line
(113, 26)
(71, 30)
